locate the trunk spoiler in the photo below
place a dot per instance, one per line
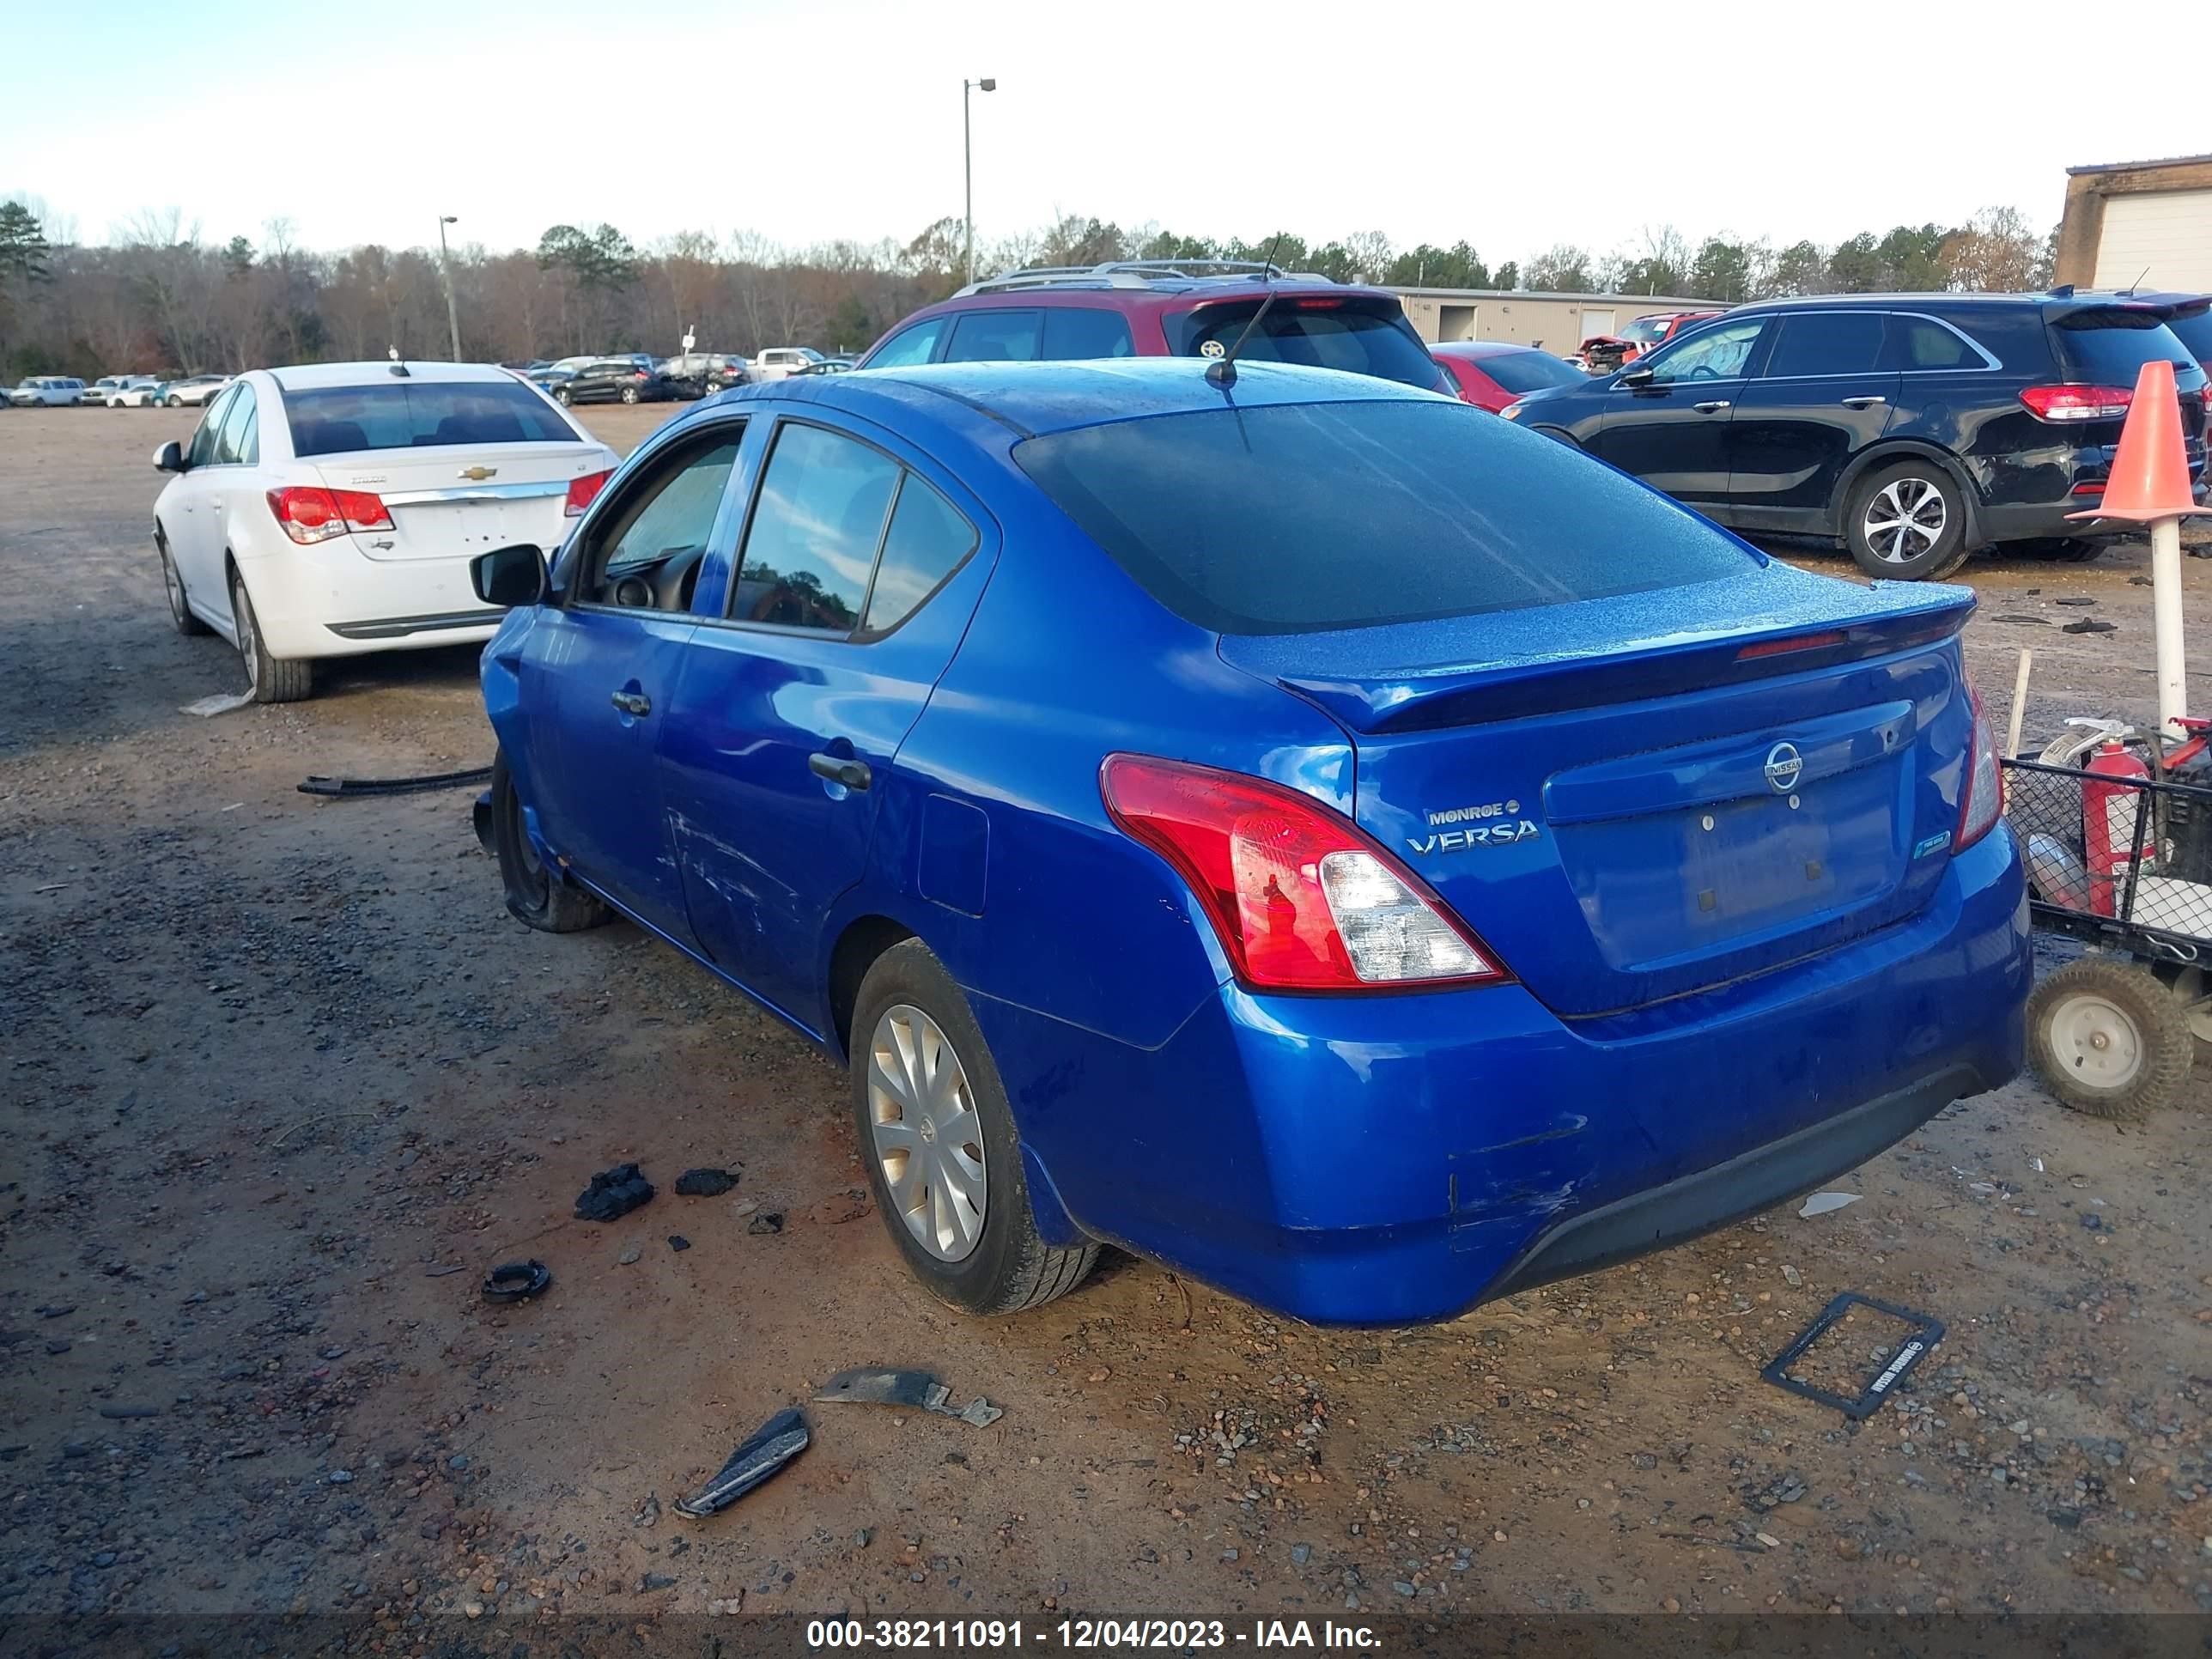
(1506, 665)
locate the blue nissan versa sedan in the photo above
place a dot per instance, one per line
(1308, 831)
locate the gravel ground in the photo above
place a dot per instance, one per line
(284, 1079)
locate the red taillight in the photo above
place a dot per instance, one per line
(1981, 793)
(2095, 489)
(2077, 402)
(1319, 305)
(310, 515)
(1794, 642)
(583, 490)
(638, 374)
(1300, 899)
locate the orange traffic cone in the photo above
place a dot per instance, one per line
(2150, 473)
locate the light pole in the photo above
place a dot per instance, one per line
(446, 268)
(967, 170)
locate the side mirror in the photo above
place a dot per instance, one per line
(1635, 377)
(169, 458)
(510, 576)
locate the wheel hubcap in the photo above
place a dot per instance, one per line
(1904, 520)
(928, 1138)
(2096, 1041)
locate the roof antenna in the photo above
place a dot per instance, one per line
(1222, 371)
(397, 367)
(2130, 288)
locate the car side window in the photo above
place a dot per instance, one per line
(230, 445)
(1077, 332)
(1825, 342)
(202, 449)
(928, 540)
(661, 522)
(1718, 353)
(910, 346)
(815, 530)
(994, 337)
(1915, 343)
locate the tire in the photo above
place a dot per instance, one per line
(175, 402)
(181, 617)
(998, 1266)
(630, 394)
(561, 396)
(2109, 1039)
(1907, 522)
(535, 895)
(271, 679)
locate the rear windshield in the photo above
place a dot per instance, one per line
(340, 419)
(1320, 332)
(1311, 516)
(1530, 371)
(2106, 347)
(2193, 331)
(1644, 328)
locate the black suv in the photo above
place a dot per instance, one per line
(1915, 429)
(635, 379)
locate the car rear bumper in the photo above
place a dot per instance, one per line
(1392, 1159)
(330, 600)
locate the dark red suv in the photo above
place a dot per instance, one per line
(1165, 309)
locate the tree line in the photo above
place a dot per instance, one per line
(159, 298)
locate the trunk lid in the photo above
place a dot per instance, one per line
(1635, 797)
(455, 500)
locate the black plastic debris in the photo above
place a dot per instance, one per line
(704, 1183)
(1924, 1334)
(514, 1281)
(763, 1453)
(352, 788)
(2038, 622)
(874, 1385)
(2089, 625)
(2073, 600)
(613, 1193)
(677, 1242)
(768, 1221)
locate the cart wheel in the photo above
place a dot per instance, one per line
(2109, 1039)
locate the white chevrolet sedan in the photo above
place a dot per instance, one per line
(331, 510)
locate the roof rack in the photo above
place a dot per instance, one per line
(1137, 273)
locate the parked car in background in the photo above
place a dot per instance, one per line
(1915, 429)
(128, 391)
(1490, 374)
(709, 370)
(827, 366)
(53, 391)
(615, 379)
(1603, 353)
(2191, 321)
(193, 389)
(775, 362)
(331, 510)
(1166, 308)
(1340, 937)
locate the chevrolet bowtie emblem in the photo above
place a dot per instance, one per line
(478, 474)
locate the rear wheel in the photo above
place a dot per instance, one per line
(561, 394)
(938, 1137)
(271, 679)
(536, 895)
(1907, 522)
(172, 583)
(2109, 1038)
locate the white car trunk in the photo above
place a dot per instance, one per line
(458, 500)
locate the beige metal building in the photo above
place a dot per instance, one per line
(1557, 322)
(2133, 224)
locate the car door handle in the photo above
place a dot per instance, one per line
(632, 702)
(1867, 402)
(853, 774)
(1712, 408)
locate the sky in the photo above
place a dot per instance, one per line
(1507, 125)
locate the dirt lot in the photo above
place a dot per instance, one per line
(283, 1078)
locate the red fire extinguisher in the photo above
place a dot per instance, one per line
(2113, 799)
